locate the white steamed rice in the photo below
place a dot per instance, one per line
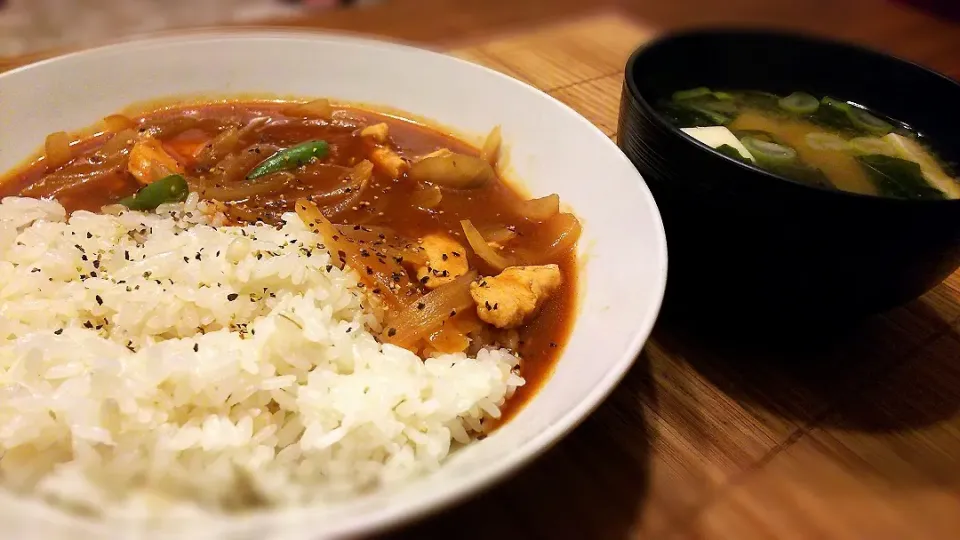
(154, 363)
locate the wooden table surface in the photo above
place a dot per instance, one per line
(855, 437)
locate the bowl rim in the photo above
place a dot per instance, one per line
(477, 480)
(637, 98)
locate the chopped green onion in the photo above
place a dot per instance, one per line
(825, 141)
(871, 145)
(799, 103)
(868, 122)
(834, 103)
(769, 152)
(681, 95)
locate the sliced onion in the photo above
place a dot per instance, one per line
(563, 231)
(359, 180)
(319, 108)
(540, 210)
(448, 340)
(164, 129)
(75, 175)
(481, 248)
(491, 146)
(385, 242)
(56, 150)
(119, 143)
(457, 171)
(118, 122)
(219, 147)
(405, 327)
(355, 180)
(499, 235)
(426, 197)
(234, 167)
(238, 191)
(385, 277)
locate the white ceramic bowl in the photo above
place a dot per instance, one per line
(551, 149)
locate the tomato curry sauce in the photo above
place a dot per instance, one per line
(382, 188)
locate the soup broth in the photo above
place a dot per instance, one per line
(826, 142)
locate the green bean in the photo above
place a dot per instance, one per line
(291, 158)
(168, 189)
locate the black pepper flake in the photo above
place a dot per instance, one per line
(453, 313)
(58, 331)
(444, 256)
(89, 235)
(369, 271)
(391, 332)
(329, 268)
(553, 345)
(93, 274)
(87, 324)
(421, 305)
(487, 305)
(232, 296)
(196, 347)
(376, 291)
(83, 257)
(455, 253)
(349, 329)
(96, 263)
(34, 270)
(399, 259)
(197, 257)
(496, 305)
(218, 253)
(99, 300)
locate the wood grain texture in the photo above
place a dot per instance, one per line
(854, 435)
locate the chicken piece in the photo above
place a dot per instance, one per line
(446, 261)
(389, 161)
(149, 161)
(511, 298)
(377, 132)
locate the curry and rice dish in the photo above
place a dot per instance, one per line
(225, 306)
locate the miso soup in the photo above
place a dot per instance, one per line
(824, 142)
